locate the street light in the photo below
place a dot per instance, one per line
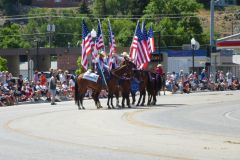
(50, 29)
(37, 51)
(193, 44)
(93, 35)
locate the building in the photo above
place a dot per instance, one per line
(227, 2)
(56, 3)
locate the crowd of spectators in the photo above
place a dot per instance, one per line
(186, 83)
(19, 89)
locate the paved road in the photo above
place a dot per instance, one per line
(181, 127)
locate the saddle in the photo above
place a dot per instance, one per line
(90, 76)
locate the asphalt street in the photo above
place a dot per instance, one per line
(197, 126)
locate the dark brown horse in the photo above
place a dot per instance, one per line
(125, 82)
(154, 85)
(150, 82)
(141, 76)
(113, 83)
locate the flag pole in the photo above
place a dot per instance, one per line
(135, 57)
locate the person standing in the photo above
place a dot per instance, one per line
(52, 88)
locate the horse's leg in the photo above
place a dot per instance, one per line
(149, 98)
(128, 100)
(94, 96)
(139, 99)
(78, 98)
(143, 98)
(109, 97)
(112, 102)
(133, 98)
(154, 98)
(117, 99)
(123, 99)
(81, 100)
(97, 99)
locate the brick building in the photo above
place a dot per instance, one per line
(56, 3)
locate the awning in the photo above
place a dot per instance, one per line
(229, 44)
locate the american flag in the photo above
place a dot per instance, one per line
(145, 38)
(112, 45)
(99, 39)
(138, 51)
(151, 39)
(99, 44)
(87, 44)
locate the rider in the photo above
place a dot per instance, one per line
(115, 60)
(102, 67)
(159, 73)
(159, 70)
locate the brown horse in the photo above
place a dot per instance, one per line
(83, 84)
(125, 82)
(154, 85)
(113, 83)
(150, 82)
(121, 75)
(142, 77)
(81, 87)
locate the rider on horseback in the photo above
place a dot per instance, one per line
(159, 73)
(102, 67)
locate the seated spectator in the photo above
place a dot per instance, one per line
(64, 89)
(235, 84)
(72, 86)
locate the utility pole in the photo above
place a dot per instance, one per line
(212, 34)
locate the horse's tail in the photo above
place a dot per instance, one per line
(76, 98)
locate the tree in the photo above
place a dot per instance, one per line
(84, 9)
(176, 18)
(119, 7)
(12, 37)
(8, 6)
(3, 64)
(80, 69)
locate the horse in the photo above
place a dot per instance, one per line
(141, 76)
(113, 83)
(154, 85)
(82, 85)
(125, 83)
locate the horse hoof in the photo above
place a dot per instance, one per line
(83, 108)
(79, 108)
(109, 107)
(142, 104)
(113, 107)
(118, 106)
(137, 105)
(129, 106)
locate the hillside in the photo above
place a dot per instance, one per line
(227, 21)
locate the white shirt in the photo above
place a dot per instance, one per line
(62, 78)
(71, 83)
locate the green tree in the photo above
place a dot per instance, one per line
(8, 6)
(84, 8)
(80, 69)
(3, 64)
(176, 20)
(12, 38)
(119, 7)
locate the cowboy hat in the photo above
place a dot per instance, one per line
(102, 53)
(125, 54)
(159, 65)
